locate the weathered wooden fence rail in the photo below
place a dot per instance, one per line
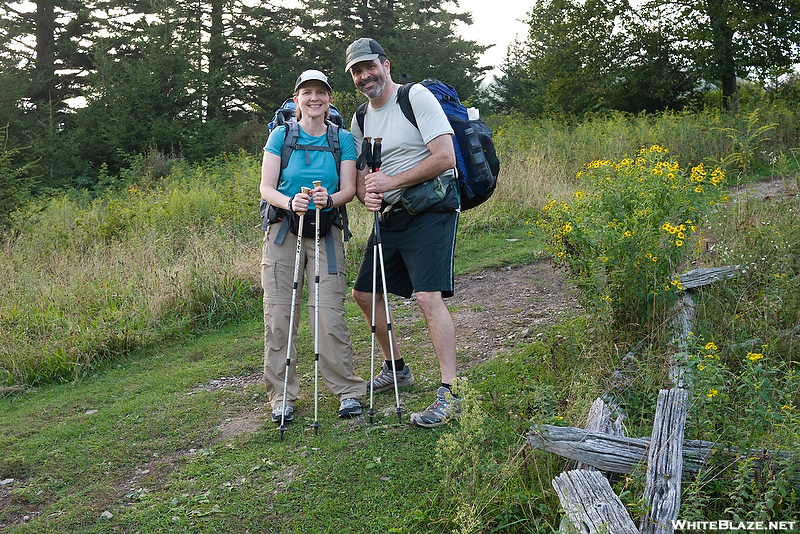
(590, 504)
(662, 490)
(623, 455)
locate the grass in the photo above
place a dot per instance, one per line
(156, 454)
(132, 321)
(165, 455)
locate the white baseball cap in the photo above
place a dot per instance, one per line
(309, 75)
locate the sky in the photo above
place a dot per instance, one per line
(497, 22)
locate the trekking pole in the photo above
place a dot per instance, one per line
(282, 428)
(376, 157)
(366, 154)
(317, 209)
(371, 411)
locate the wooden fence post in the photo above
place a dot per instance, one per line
(665, 462)
(591, 505)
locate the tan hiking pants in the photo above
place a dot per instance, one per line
(336, 353)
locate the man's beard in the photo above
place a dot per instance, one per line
(380, 84)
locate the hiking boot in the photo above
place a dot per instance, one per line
(385, 379)
(349, 408)
(288, 414)
(444, 408)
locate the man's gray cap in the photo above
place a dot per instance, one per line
(364, 49)
(308, 75)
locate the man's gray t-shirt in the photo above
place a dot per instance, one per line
(403, 145)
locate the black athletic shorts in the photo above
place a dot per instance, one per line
(418, 253)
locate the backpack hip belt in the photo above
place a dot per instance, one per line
(330, 245)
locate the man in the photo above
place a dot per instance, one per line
(418, 248)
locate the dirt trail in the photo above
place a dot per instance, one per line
(497, 306)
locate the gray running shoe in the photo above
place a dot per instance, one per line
(385, 379)
(288, 414)
(444, 408)
(349, 408)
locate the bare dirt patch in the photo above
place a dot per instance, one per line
(499, 306)
(509, 303)
(768, 190)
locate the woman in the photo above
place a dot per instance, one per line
(282, 189)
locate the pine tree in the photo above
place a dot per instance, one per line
(418, 36)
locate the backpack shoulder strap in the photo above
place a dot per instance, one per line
(333, 142)
(404, 101)
(361, 112)
(290, 144)
(289, 141)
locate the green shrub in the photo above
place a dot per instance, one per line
(624, 239)
(746, 403)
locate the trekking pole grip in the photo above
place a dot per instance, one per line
(317, 183)
(303, 190)
(376, 154)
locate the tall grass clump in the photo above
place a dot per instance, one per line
(745, 400)
(88, 279)
(623, 238)
(763, 302)
(746, 363)
(490, 482)
(529, 173)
